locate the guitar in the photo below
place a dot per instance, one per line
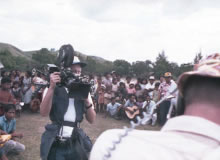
(6, 137)
(131, 112)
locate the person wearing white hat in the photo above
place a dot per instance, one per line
(64, 139)
(193, 135)
(150, 86)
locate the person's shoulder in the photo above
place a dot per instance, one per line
(109, 105)
(145, 142)
(152, 102)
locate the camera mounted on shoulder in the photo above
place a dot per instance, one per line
(78, 85)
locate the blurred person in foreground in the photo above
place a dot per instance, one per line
(8, 126)
(192, 135)
(63, 138)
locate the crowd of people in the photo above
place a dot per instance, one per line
(17, 87)
(129, 97)
(114, 96)
(17, 93)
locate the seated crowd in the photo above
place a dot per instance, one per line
(127, 98)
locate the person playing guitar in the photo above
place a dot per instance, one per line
(130, 107)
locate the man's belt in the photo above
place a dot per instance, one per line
(71, 124)
(68, 123)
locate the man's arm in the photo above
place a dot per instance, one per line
(90, 113)
(46, 103)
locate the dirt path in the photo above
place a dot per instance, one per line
(32, 125)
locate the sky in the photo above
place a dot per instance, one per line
(133, 30)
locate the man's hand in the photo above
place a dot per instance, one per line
(18, 135)
(54, 79)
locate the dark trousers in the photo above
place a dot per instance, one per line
(163, 110)
(64, 151)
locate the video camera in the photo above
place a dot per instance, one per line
(78, 86)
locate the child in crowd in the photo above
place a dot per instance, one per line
(100, 106)
(156, 93)
(131, 89)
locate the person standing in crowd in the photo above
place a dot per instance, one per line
(156, 93)
(8, 125)
(138, 90)
(114, 86)
(63, 139)
(17, 76)
(101, 99)
(97, 89)
(127, 82)
(143, 83)
(107, 81)
(166, 88)
(192, 135)
(122, 90)
(114, 75)
(131, 89)
(27, 90)
(150, 86)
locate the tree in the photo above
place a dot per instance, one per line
(122, 67)
(44, 57)
(161, 65)
(142, 68)
(11, 62)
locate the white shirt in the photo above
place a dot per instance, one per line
(150, 86)
(150, 107)
(70, 116)
(143, 86)
(182, 138)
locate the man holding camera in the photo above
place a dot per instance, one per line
(64, 139)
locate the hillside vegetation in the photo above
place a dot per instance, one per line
(14, 58)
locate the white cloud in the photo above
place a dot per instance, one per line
(122, 29)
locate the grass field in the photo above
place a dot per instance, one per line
(32, 126)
